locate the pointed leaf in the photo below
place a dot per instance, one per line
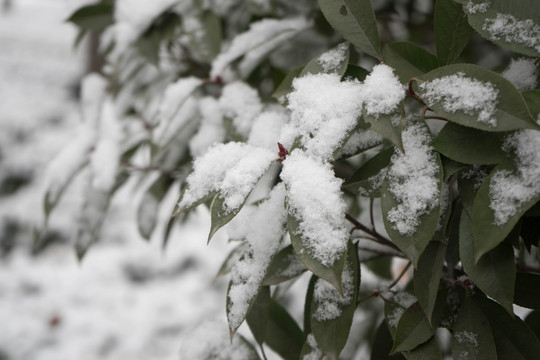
(429, 350)
(389, 126)
(409, 60)
(93, 17)
(231, 259)
(332, 61)
(428, 276)
(220, 215)
(257, 318)
(311, 351)
(355, 21)
(412, 330)
(513, 338)
(367, 180)
(470, 146)
(284, 266)
(331, 314)
(452, 31)
(472, 96)
(285, 87)
(527, 290)
(472, 338)
(380, 349)
(282, 333)
(451, 167)
(495, 273)
(355, 72)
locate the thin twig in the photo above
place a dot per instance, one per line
(435, 117)
(403, 272)
(377, 237)
(262, 351)
(371, 219)
(380, 252)
(527, 268)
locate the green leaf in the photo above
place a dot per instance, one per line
(284, 266)
(285, 87)
(162, 29)
(486, 233)
(93, 17)
(532, 98)
(148, 210)
(355, 72)
(428, 276)
(452, 31)
(511, 25)
(311, 351)
(257, 318)
(409, 60)
(330, 274)
(380, 349)
(413, 244)
(332, 334)
(355, 21)
(232, 259)
(380, 266)
(513, 338)
(321, 65)
(429, 350)
(468, 184)
(470, 146)
(451, 167)
(220, 215)
(527, 290)
(472, 338)
(412, 330)
(495, 273)
(510, 110)
(533, 322)
(207, 43)
(282, 333)
(389, 126)
(367, 180)
(307, 304)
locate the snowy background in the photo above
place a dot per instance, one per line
(128, 299)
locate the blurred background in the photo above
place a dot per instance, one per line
(128, 299)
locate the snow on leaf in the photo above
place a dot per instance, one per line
(382, 92)
(329, 302)
(211, 129)
(242, 104)
(521, 73)
(330, 60)
(266, 128)
(460, 93)
(513, 30)
(315, 200)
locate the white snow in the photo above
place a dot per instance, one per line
(240, 103)
(510, 29)
(466, 337)
(211, 129)
(382, 92)
(330, 60)
(460, 93)
(361, 140)
(264, 227)
(472, 8)
(329, 302)
(315, 353)
(267, 128)
(412, 180)
(522, 73)
(509, 191)
(314, 198)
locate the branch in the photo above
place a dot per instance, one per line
(400, 276)
(376, 236)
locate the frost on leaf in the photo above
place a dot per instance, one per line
(240, 103)
(512, 30)
(521, 73)
(210, 340)
(328, 302)
(315, 200)
(413, 180)
(232, 168)
(263, 229)
(508, 191)
(460, 93)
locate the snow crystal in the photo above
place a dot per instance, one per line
(331, 60)
(510, 29)
(509, 191)
(210, 340)
(211, 129)
(412, 180)
(522, 73)
(315, 199)
(472, 8)
(466, 337)
(329, 303)
(264, 227)
(242, 177)
(258, 35)
(361, 140)
(323, 111)
(459, 93)
(315, 353)
(267, 128)
(382, 91)
(240, 103)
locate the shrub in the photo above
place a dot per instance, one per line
(265, 112)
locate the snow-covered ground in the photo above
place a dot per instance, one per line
(128, 299)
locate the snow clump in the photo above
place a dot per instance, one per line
(331, 59)
(510, 29)
(521, 73)
(381, 91)
(329, 302)
(242, 104)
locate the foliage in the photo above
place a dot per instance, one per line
(261, 112)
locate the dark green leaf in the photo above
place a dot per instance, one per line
(469, 181)
(527, 290)
(93, 17)
(318, 65)
(511, 25)
(220, 215)
(530, 231)
(533, 322)
(355, 21)
(510, 111)
(495, 273)
(409, 60)
(284, 266)
(472, 338)
(470, 146)
(532, 98)
(367, 180)
(513, 338)
(232, 259)
(257, 318)
(451, 167)
(311, 351)
(428, 276)
(307, 304)
(380, 350)
(389, 126)
(486, 233)
(429, 350)
(412, 330)
(286, 84)
(330, 274)
(283, 334)
(355, 72)
(452, 31)
(332, 334)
